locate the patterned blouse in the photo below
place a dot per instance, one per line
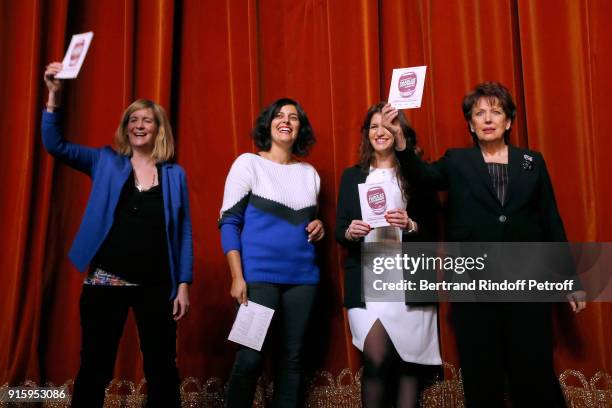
(499, 177)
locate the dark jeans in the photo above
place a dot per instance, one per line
(292, 305)
(506, 341)
(103, 313)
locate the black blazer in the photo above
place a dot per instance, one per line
(422, 207)
(474, 212)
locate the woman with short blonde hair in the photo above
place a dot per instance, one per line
(163, 149)
(135, 244)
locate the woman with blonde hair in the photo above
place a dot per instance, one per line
(134, 241)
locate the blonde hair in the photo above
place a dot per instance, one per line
(163, 149)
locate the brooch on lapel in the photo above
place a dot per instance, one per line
(527, 162)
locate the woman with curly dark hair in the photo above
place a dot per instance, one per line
(268, 230)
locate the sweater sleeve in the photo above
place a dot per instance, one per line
(79, 157)
(235, 199)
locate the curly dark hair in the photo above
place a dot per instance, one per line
(495, 93)
(366, 151)
(262, 133)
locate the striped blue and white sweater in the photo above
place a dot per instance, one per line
(266, 208)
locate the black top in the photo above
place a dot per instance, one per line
(423, 207)
(136, 247)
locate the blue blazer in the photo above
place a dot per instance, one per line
(109, 172)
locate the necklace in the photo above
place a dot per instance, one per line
(140, 187)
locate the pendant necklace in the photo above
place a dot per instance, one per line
(140, 187)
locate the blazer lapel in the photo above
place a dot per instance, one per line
(514, 171)
(480, 167)
(363, 175)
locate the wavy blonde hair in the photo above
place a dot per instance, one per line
(163, 149)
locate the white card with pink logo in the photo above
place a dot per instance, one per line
(375, 200)
(77, 50)
(406, 91)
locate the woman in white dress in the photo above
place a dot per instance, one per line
(399, 341)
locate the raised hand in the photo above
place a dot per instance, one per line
(54, 84)
(390, 121)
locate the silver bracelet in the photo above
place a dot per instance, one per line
(413, 226)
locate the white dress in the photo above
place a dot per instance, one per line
(412, 329)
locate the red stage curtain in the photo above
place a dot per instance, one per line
(214, 65)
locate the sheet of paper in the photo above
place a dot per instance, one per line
(77, 50)
(375, 200)
(251, 325)
(406, 91)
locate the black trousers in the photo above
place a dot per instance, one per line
(511, 343)
(103, 313)
(292, 305)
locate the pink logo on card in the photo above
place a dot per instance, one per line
(77, 50)
(407, 84)
(377, 200)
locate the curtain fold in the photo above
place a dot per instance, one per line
(564, 52)
(27, 181)
(214, 65)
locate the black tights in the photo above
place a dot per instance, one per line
(387, 380)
